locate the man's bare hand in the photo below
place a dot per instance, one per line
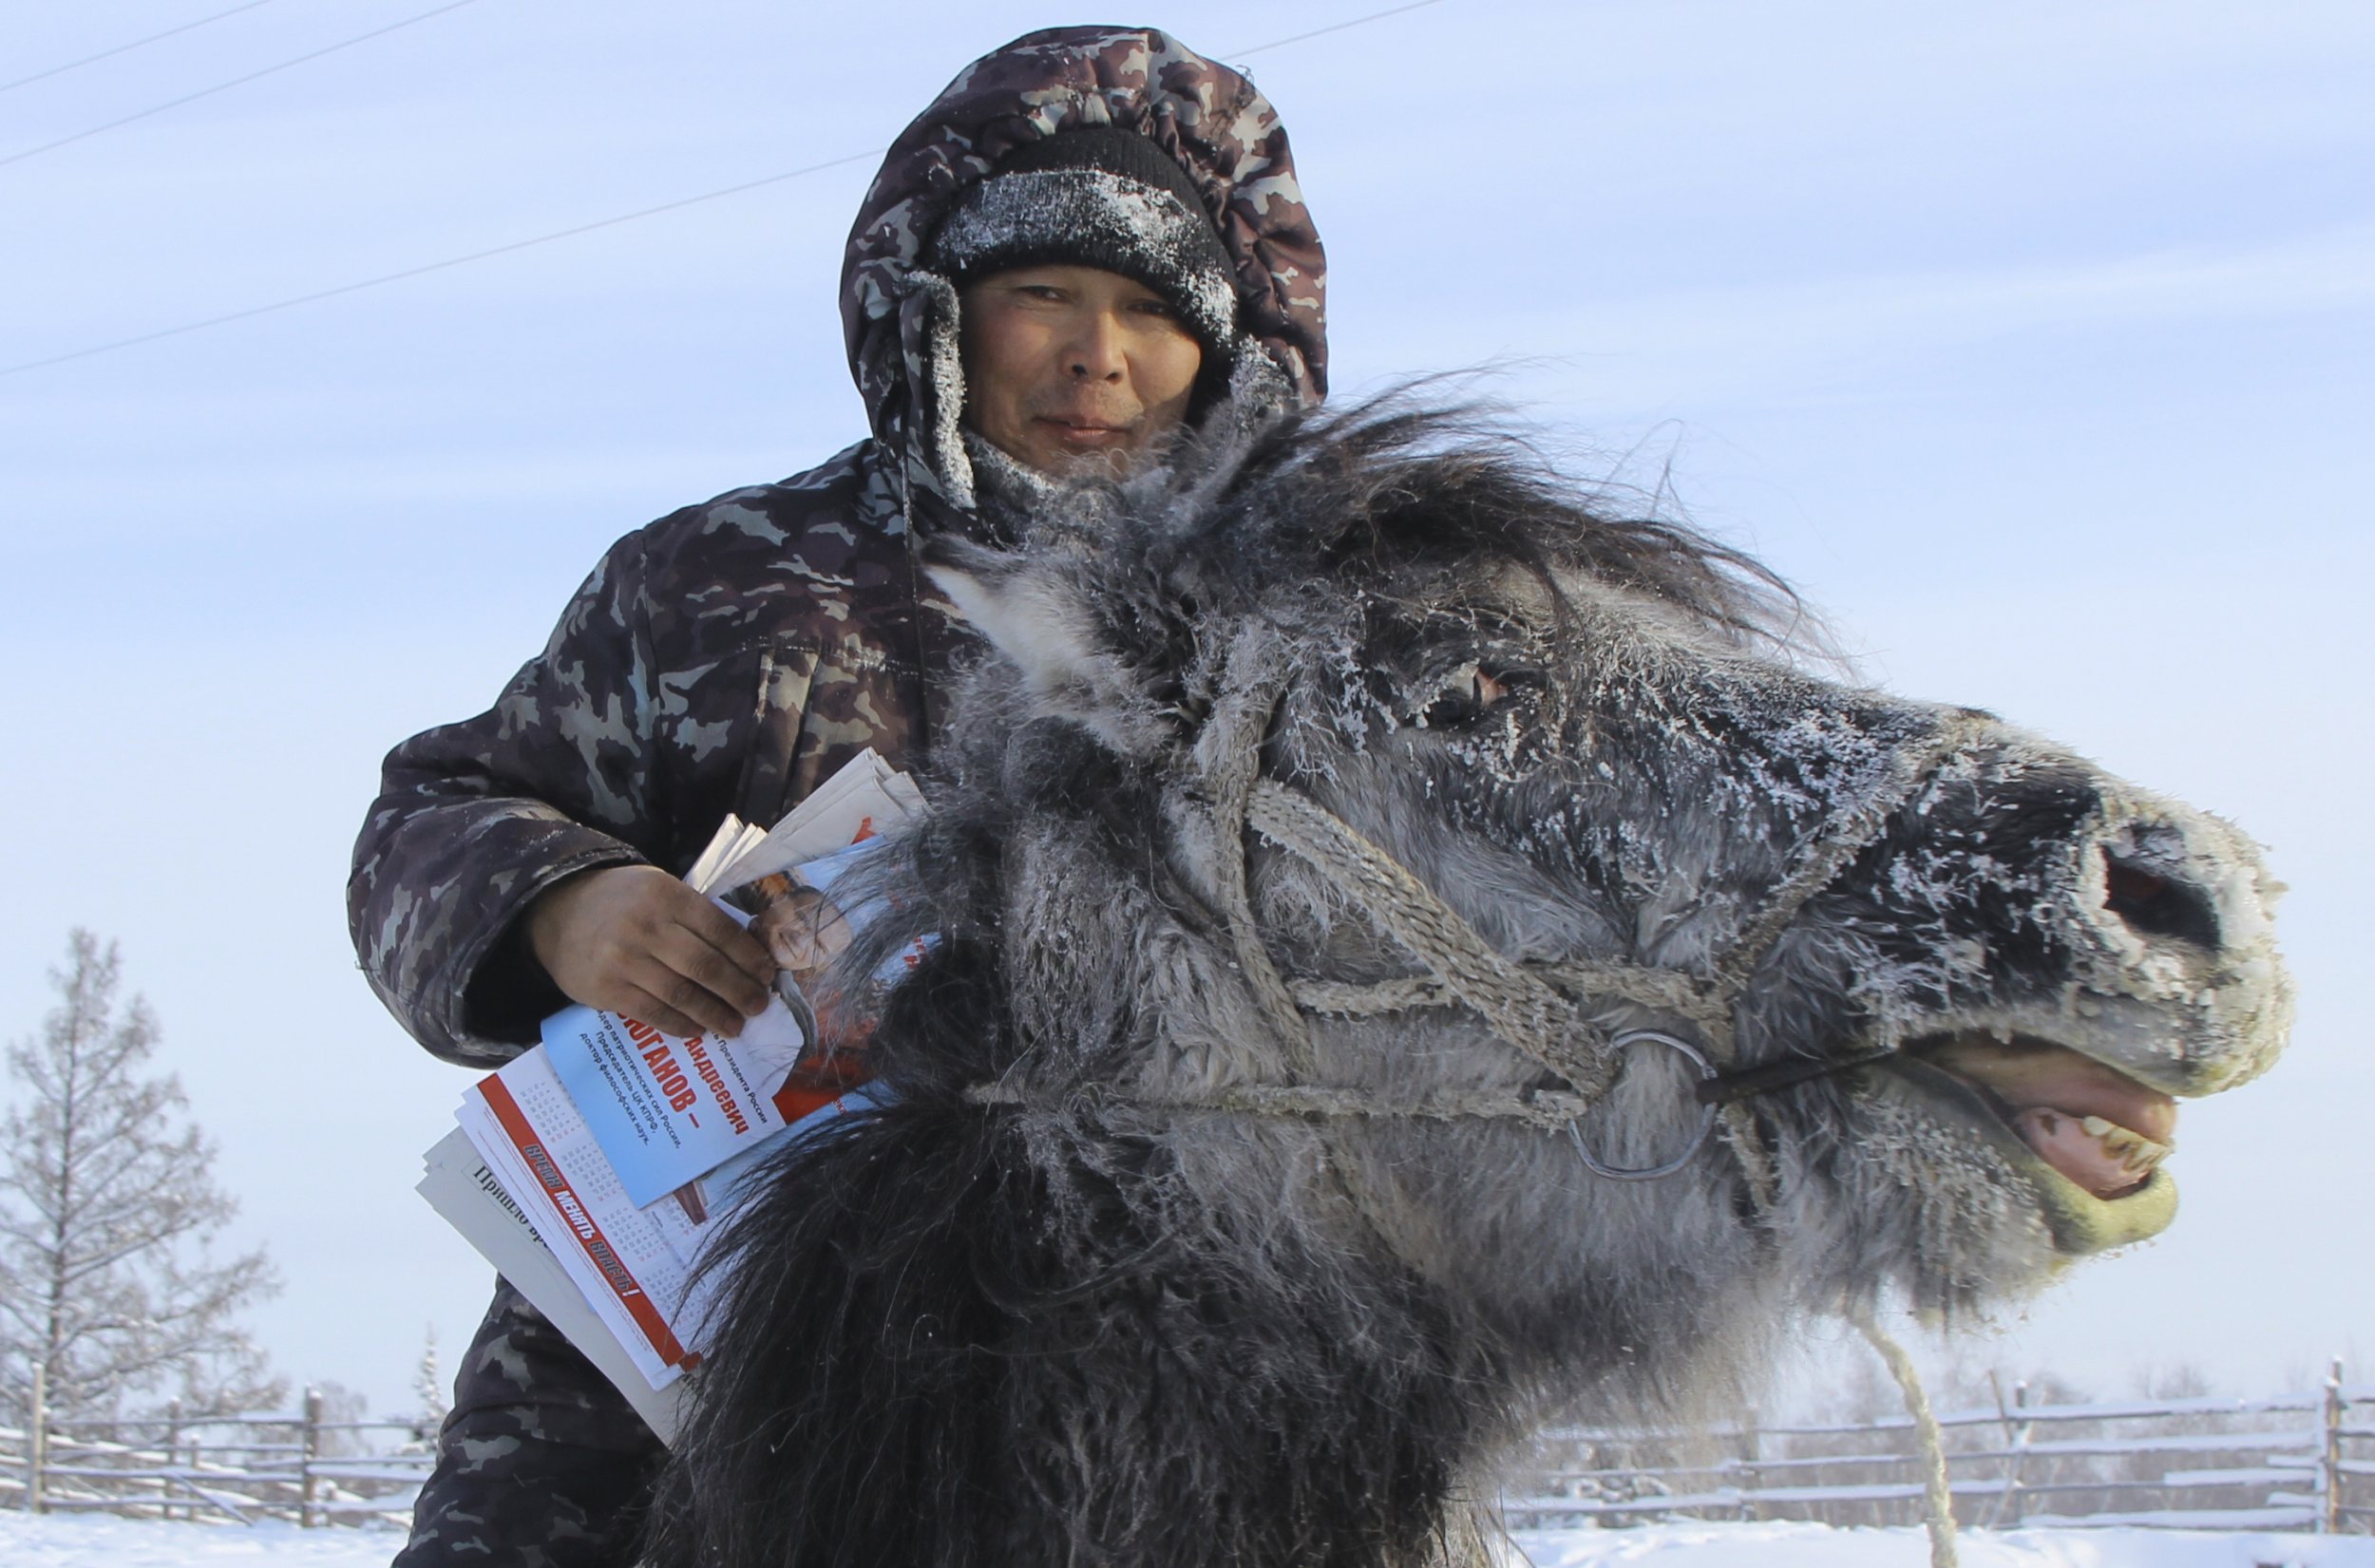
(635, 940)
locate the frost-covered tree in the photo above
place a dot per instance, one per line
(107, 1213)
(429, 1387)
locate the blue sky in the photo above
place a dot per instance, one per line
(2036, 346)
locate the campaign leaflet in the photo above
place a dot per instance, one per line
(462, 1185)
(623, 1214)
(666, 1110)
(542, 1155)
(638, 1267)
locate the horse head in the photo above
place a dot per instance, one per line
(1415, 951)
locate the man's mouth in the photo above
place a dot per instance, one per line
(1086, 435)
(2092, 1125)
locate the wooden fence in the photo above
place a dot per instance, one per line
(2298, 1462)
(2295, 1462)
(236, 1468)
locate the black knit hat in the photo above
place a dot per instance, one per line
(1097, 196)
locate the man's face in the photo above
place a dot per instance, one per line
(1073, 366)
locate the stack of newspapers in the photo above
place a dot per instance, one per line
(592, 1169)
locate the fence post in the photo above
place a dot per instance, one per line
(306, 1482)
(1751, 1448)
(36, 1439)
(173, 1455)
(2329, 1456)
(2015, 1440)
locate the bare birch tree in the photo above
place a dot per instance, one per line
(108, 1210)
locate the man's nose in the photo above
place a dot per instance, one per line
(1097, 349)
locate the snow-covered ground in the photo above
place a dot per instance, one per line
(85, 1540)
(1815, 1546)
(97, 1542)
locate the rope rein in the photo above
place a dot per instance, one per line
(1937, 1492)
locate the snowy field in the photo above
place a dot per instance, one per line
(1817, 1546)
(97, 1542)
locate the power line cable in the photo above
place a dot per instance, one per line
(1338, 27)
(235, 82)
(126, 49)
(360, 284)
(440, 266)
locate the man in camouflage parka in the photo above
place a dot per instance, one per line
(733, 655)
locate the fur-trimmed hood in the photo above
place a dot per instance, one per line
(898, 318)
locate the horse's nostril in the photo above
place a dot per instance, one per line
(2158, 905)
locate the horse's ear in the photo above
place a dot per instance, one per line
(1031, 611)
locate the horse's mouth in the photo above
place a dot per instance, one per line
(2087, 1136)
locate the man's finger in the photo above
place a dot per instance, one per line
(697, 961)
(710, 1012)
(718, 931)
(644, 1008)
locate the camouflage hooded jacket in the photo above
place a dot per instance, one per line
(732, 655)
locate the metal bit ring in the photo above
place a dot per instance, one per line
(1699, 1139)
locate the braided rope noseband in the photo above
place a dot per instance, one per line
(1532, 1005)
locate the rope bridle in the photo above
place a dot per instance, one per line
(1533, 1005)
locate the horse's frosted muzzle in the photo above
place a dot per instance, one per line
(2177, 979)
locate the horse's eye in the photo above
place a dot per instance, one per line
(1472, 692)
(1509, 681)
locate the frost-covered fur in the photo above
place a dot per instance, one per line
(1086, 1330)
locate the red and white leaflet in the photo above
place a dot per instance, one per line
(522, 1122)
(462, 1185)
(634, 1265)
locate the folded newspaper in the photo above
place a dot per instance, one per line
(592, 1169)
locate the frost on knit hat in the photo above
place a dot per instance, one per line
(1097, 196)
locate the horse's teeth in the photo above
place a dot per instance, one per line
(2135, 1152)
(2110, 1134)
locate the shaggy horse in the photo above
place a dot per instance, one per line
(1358, 865)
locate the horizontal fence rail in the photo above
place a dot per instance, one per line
(2295, 1461)
(231, 1470)
(2292, 1462)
